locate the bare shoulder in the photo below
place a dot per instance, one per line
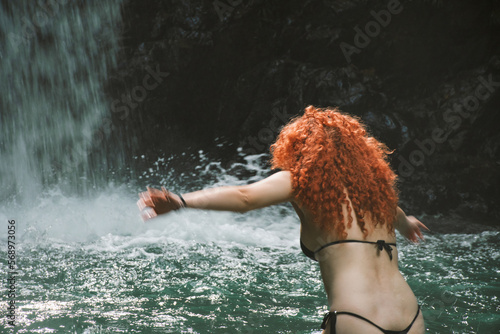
(283, 176)
(280, 179)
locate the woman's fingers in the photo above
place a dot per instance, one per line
(416, 226)
(153, 202)
(146, 204)
(418, 232)
(146, 198)
(150, 198)
(157, 202)
(141, 204)
(148, 213)
(422, 225)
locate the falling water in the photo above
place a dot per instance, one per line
(55, 57)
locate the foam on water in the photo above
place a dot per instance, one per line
(110, 218)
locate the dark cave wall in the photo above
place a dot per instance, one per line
(426, 82)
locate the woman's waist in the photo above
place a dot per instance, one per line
(385, 289)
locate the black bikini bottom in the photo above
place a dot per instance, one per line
(332, 317)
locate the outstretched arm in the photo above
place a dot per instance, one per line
(409, 226)
(274, 189)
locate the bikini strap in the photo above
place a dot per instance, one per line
(332, 316)
(381, 244)
(385, 331)
(363, 318)
(407, 329)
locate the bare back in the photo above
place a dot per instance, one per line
(362, 279)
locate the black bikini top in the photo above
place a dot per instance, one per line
(381, 244)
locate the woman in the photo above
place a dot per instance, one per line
(342, 188)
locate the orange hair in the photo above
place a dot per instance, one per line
(325, 151)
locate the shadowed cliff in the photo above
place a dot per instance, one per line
(423, 75)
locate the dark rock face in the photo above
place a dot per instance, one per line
(423, 75)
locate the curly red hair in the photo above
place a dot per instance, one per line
(325, 151)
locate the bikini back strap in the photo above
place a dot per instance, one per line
(381, 244)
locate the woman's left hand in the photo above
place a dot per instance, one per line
(155, 202)
(412, 229)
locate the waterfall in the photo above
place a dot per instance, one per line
(55, 56)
